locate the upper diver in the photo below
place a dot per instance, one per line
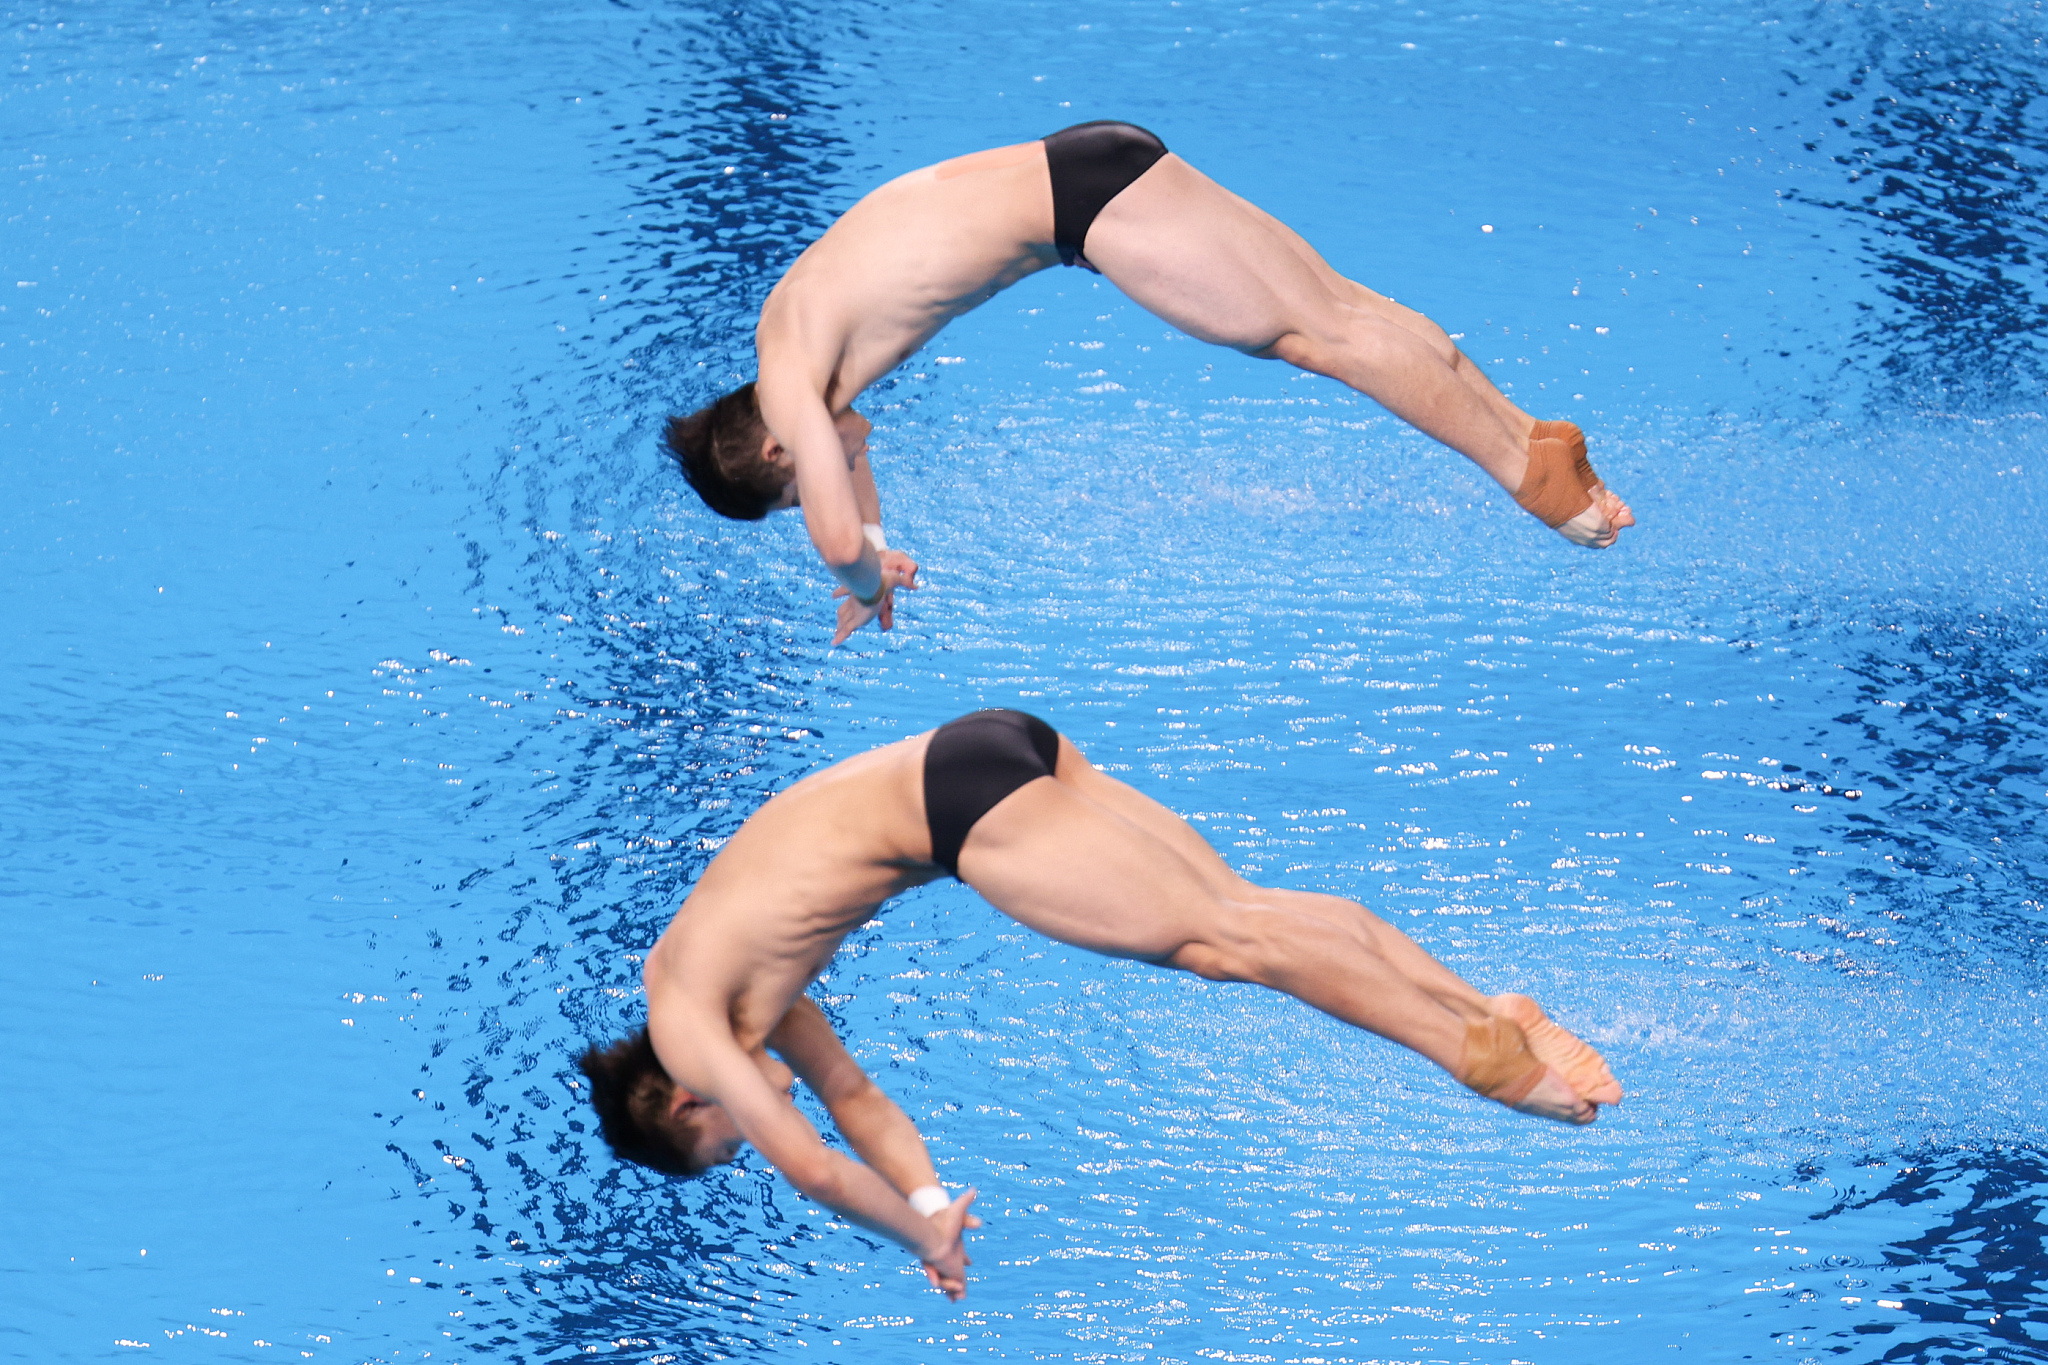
(932, 244)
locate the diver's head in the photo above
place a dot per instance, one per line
(648, 1119)
(723, 451)
(735, 463)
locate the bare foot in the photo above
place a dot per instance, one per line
(1554, 1098)
(1612, 507)
(1569, 1056)
(1590, 528)
(1500, 1063)
(1603, 521)
(1612, 514)
(1607, 516)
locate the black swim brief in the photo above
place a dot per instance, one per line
(1091, 164)
(974, 762)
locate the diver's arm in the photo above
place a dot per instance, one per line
(703, 1058)
(857, 1193)
(899, 570)
(880, 1131)
(795, 413)
(864, 493)
(868, 1119)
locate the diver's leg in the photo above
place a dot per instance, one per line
(1223, 881)
(1084, 874)
(1358, 296)
(1606, 503)
(1188, 250)
(1580, 1063)
(1227, 272)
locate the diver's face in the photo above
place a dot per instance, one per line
(718, 1137)
(852, 429)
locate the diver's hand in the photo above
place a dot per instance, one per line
(904, 569)
(899, 570)
(945, 1255)
(854, 613)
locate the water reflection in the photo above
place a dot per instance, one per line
(1947, 733)
(1940, 126)
(1964, 1260)
(689, 700)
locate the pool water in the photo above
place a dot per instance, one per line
(376, 692)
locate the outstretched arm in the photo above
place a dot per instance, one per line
(794, 409)
(869, 1120)
(703, 1058)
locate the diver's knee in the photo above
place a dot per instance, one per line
(1295, 349)
(1204, 960)
(1426, 330)
(1375, 349)
(1238, 943)
(1332, 353)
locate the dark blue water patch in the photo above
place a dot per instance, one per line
(1938, 122)
(737, 159)
(730, 161)
(674, 685)
(647, 768)
(1946, 736)
(1959, 1269)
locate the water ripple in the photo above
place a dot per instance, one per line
(1941, 127)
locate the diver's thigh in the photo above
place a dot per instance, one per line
(1153, 818)
(1183, 247)
(1324, 272)
(1345, 289)
(1078, 872)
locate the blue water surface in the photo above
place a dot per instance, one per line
(375, 690)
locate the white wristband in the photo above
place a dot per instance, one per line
(929, 1199)
(873, 531)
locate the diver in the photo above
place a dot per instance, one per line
(930, 245)
(1001, 801)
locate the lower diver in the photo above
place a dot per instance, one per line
(1010, 807)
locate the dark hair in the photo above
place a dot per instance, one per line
(631, 1094)
(719, 450)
